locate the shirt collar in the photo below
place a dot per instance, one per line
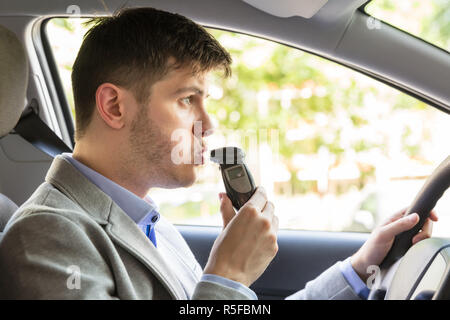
(141, 211)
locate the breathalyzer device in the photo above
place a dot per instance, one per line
(237, 179)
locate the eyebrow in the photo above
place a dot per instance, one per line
(190, 89)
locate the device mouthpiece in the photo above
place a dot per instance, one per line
(227, 155)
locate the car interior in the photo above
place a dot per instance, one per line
(36, 122)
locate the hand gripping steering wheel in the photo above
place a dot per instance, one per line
(426, 199)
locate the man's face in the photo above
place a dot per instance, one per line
(166, 135)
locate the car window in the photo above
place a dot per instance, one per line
(426, 19)
(335, 149)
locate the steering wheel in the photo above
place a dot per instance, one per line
(423, 270)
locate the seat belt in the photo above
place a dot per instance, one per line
(35, 131)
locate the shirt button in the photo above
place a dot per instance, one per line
(154, 219)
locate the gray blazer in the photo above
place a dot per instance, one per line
(69, 224)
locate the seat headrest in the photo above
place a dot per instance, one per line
(13, 80)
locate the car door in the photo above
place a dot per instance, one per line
(302, 256)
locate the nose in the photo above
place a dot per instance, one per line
(207, 124)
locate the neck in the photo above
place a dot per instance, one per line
(106, 160)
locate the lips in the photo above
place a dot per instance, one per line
(199, 159)
(201, 155)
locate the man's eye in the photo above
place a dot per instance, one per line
(187, 100)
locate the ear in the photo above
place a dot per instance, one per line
(109, 100)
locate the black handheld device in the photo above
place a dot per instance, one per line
(236, 177)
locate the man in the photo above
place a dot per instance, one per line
(91, 232)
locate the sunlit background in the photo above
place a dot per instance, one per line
(426, 19)
(336, 150)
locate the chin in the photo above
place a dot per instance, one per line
(190, 178)
(183, 178)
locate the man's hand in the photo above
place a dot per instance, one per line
(377, 246)
(248, 241)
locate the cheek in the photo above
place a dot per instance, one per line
(170, 116)
(176, 126)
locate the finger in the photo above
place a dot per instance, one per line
(226, 209)
(268, 211)
(389, 231)
(275, 222)
(433, 216)
(427, 228)
(394, 217)
(425, 233)
(258, 199)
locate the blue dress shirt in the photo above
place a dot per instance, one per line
(353, 279)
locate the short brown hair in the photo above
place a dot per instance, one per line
(132, 49)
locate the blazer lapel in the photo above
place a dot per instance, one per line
(120, 227)
(125, 232)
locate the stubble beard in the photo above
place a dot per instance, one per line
(150, 154)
